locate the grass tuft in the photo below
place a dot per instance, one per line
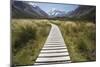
(28, 38)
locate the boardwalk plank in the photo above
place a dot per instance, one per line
(54, 50)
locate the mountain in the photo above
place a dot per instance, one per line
(21, 9)
(56, 13)
(83, 12)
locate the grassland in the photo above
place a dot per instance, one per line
(80, 38)
(28, 37)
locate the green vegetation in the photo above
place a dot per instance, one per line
(28, 37)
(80, 38)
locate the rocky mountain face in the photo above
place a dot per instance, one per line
(21, 9)
(83, 12)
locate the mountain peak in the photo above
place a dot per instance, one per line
(56, 12)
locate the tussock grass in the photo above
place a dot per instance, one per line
(28, 38)
(80, 38)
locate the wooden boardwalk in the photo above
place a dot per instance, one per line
(54, 50)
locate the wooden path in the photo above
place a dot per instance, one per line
(54, 50)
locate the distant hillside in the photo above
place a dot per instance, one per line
(22, 9)
(84, 13)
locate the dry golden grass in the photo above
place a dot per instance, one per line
(80, 38)
(28, 38)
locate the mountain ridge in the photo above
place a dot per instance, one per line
(24, 10)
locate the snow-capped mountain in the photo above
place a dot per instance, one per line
(56, 13)
(22, 9)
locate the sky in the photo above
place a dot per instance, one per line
(50, 6)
